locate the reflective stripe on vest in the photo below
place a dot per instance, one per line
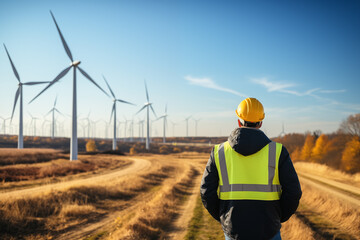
(235, 191)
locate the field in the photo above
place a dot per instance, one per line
(148, 196)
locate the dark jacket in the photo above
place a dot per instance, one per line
(251, 219)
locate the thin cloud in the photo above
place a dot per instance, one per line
(209, 83)
(283, 87)
(273, 86)
(333, 91)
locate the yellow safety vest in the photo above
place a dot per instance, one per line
(253, 177)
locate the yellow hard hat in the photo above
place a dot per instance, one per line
(250, 110)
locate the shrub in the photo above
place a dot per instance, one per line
(91, 146)
(132, 151)
(164, 149)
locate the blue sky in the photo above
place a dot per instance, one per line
(299, 58)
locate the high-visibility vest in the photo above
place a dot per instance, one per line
(253, 177)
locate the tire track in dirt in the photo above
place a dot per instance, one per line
(334, 189)
(321, 226)
(180, 225)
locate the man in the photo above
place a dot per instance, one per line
(249, 183)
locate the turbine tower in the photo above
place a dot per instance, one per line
(147, 105)
(33, 120)
(165, 123)
(19, 92)
(196, 125)
(187, 126)
(283, 131)
(113, 111)
(173, 127)
(53, 110)
(4, 124)
(75, 66)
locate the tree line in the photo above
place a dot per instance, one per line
(339, 150)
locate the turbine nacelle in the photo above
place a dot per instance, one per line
(147, 104)
(75, 63)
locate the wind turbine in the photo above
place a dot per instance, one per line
(19, 92)
(125, 128)
(33, 120)
(88, 125)
(113, 111)
(4, 124)
(165, 122)
(187, 125)
(147, 105)
(75, 66)
(53, 118)
(141, 130)
(283, 131)
(44, 125)
(196, 125)
(173, 127)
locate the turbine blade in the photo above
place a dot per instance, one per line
(159, 118)
(55, 101)
(67, 49)
(112, 111)
(165, 109)
(140, 109)
(12, 64)
(153, 110)
(16, 98)
(91, 80)
(58, 77)
(49, 112)
(59, 112)
(112, 93)
(119, 100)
(147, 94)
(34, 83)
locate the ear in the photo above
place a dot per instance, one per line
(260, 124)
(239, 123)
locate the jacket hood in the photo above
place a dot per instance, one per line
(247, 141)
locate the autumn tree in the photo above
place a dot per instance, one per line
(307, 148)
(351, 156)
(351, 125)
(296, 154)
(319, 150)
(291, 141)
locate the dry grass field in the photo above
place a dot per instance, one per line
(143, 196)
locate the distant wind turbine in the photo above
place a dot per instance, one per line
(141, 130)
(113, 111)
(52, 111)
(187, 125)
(164, 117)
(283, 131)
(33, 120)
(4, 124)
(19, 92)
(173, 127)
(196, 125)
(75, 66)
(88, 125)
(147, 105)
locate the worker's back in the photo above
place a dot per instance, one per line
(241, 215)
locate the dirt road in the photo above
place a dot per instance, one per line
(137, 166)
(345, 192)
